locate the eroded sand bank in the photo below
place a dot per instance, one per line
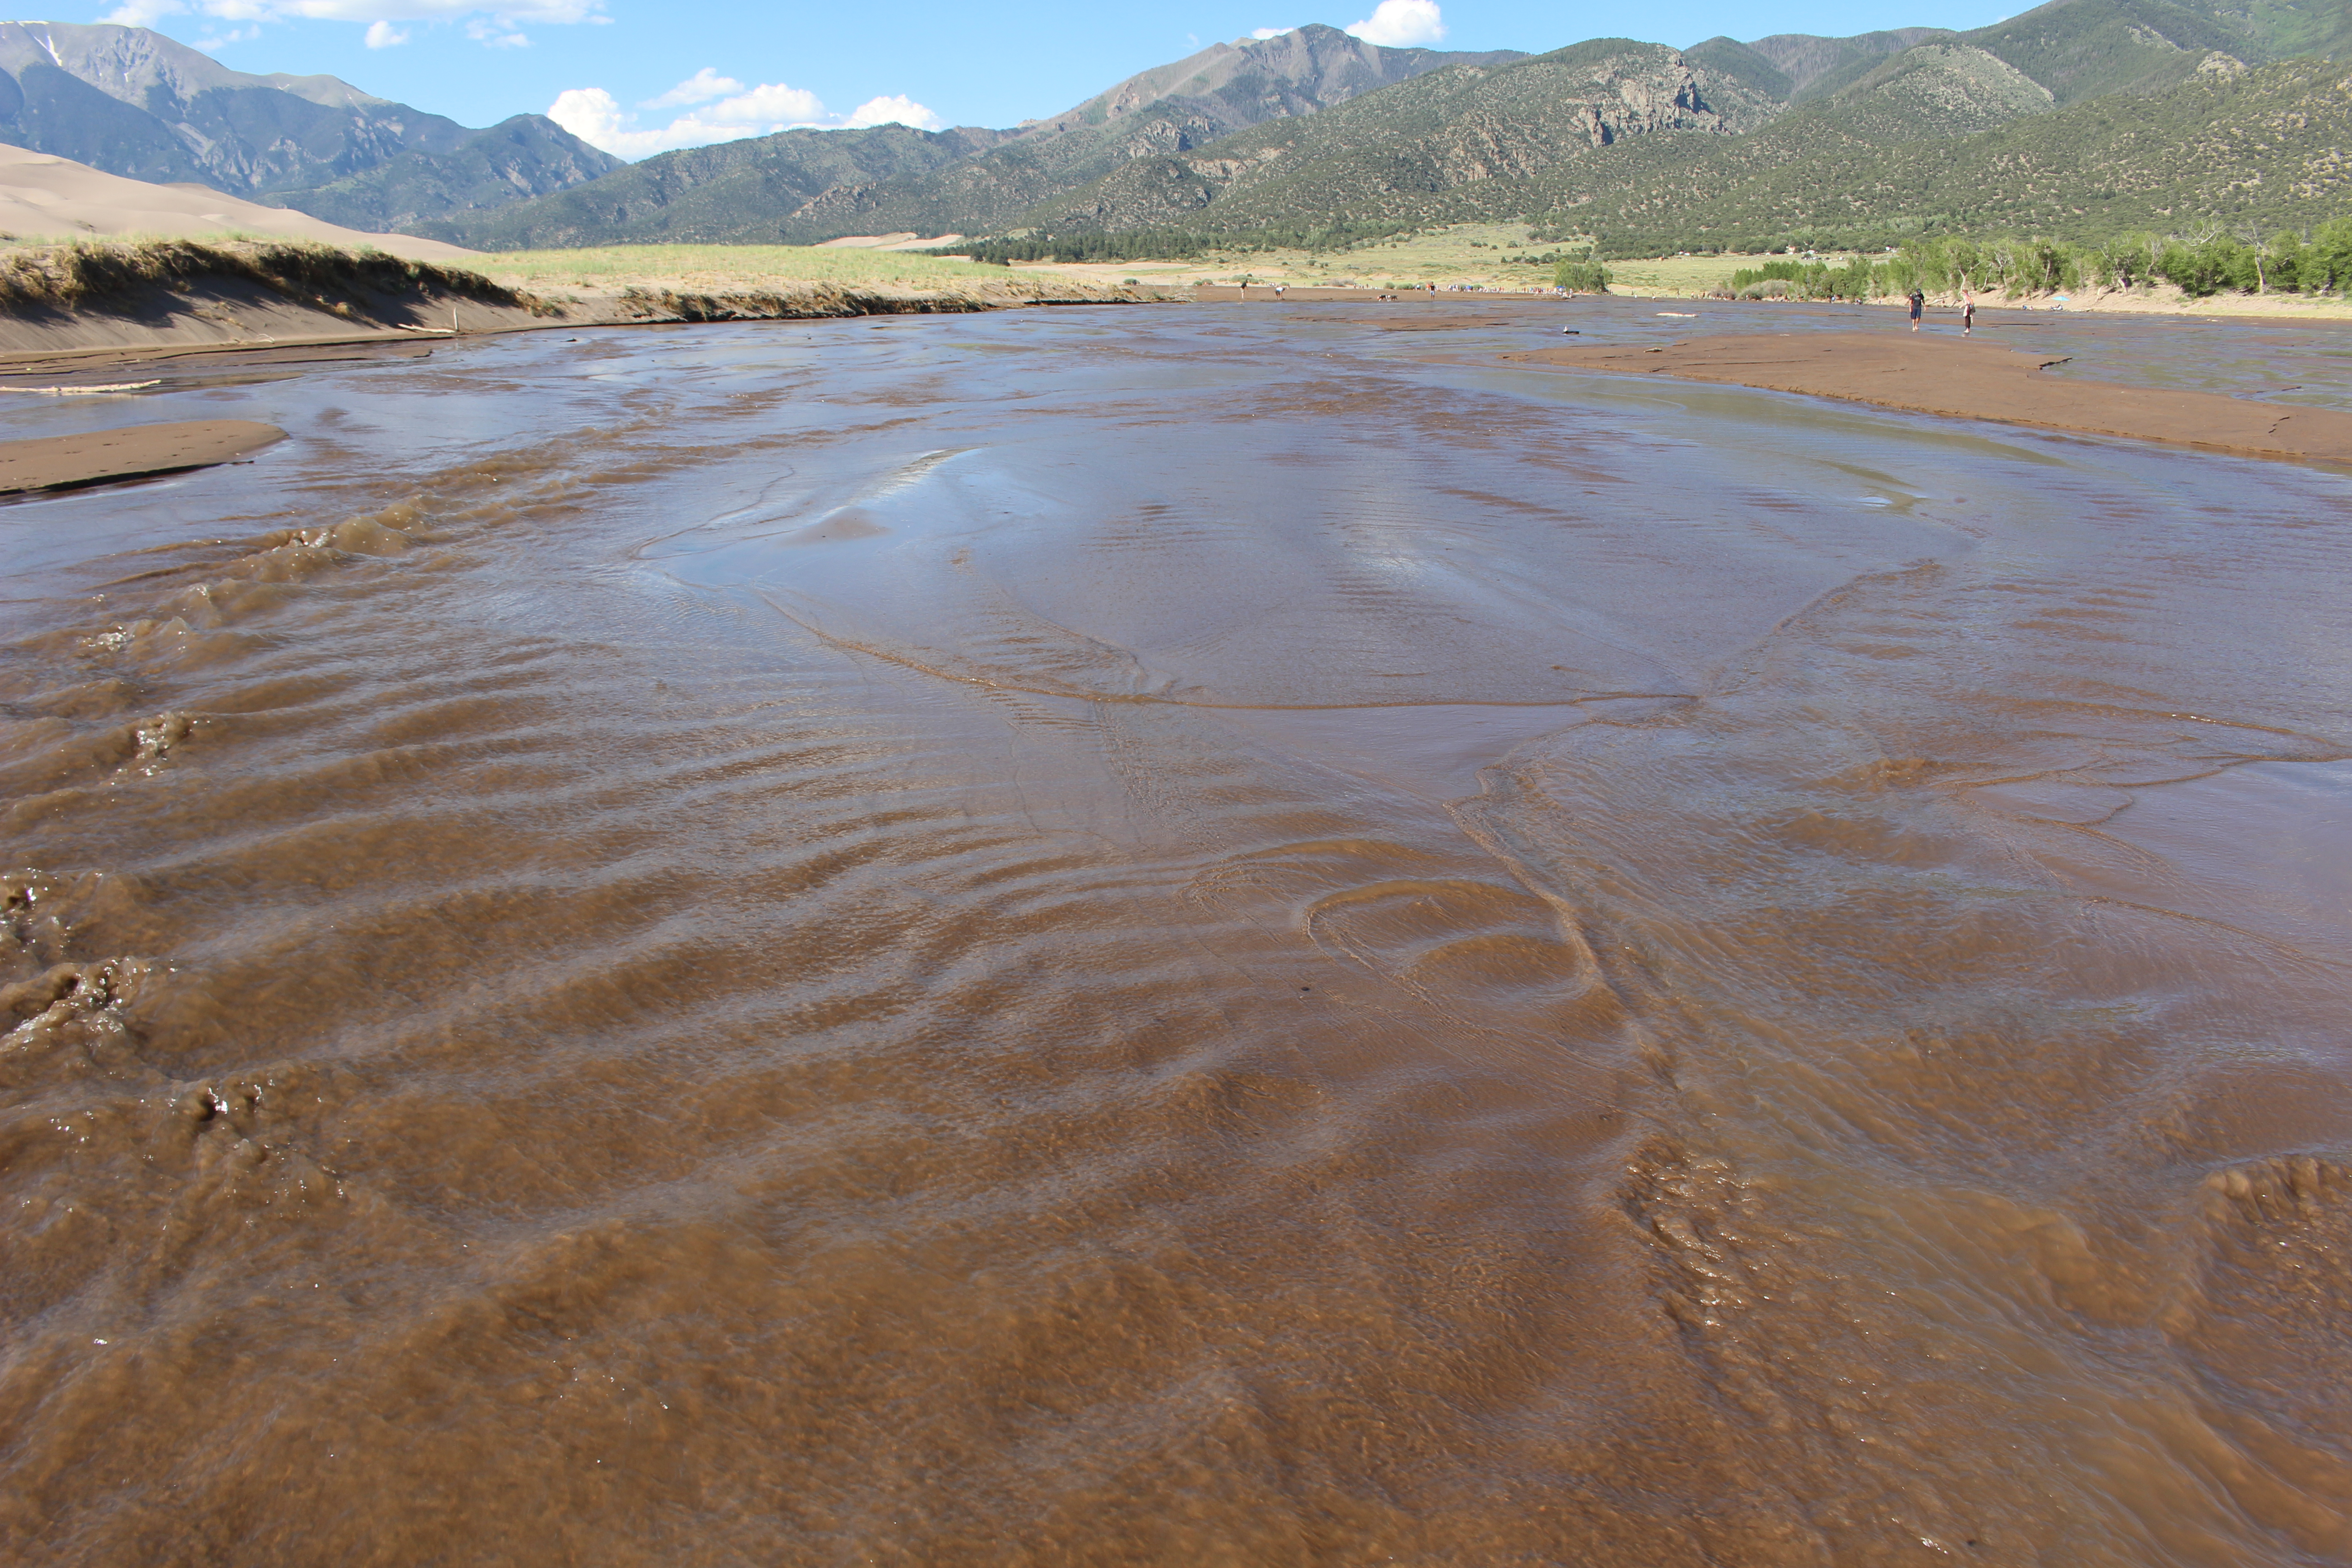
(1967, 379)
(118, 305)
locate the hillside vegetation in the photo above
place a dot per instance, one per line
(2248, 152)
(807, 186)
(2080, 121)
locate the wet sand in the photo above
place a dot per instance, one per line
(1969, 379)
(1175, 936)
(129, 452)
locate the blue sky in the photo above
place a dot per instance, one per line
(646, 75)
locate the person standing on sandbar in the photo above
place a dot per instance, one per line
(1968, 314)
(1918, 303)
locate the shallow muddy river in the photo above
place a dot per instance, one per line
(1178, 936)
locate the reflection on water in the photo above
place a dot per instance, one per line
(1175, 936)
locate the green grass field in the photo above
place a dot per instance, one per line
(720, 268)
(1501, 255)
(1495, 255)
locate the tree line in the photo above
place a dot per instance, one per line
(2315, 262)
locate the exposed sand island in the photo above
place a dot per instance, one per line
(134, 451)
(1969, 380)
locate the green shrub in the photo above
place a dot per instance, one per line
(1857, 279)
(2201, 267)
(1582, 276)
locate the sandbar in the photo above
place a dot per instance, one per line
(1966, 379)
(133, 451)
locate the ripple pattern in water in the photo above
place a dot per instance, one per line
(1174, 937)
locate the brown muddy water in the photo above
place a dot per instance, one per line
(1177, 937)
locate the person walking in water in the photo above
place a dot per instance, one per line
(1918, 303)
(1968, 314)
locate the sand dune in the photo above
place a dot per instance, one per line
(49, 198)
(906, 240)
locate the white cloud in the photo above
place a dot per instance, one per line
(596, 118)
(700, 87)
(506, 33)
(1401, 24)
(141, 13)
(590, 113)
(770, 103)
(381, 35)
(1274, 32)
(509, 12)
(500, 34)
(898, 109)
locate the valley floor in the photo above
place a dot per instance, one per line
(1496, 257)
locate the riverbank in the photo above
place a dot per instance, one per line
(116, 303)
(1968, 380)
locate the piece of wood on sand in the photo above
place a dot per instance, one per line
(133, 451)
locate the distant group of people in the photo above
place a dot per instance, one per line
(1280, 289)
(1918, 302)
(1968, 311)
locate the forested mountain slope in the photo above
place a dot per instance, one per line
(2080, 118)
(1396, 154)
(2243, 152)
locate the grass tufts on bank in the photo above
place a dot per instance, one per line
(815, 302)
(118, 276)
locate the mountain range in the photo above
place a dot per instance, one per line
(134, 102)
(806, 186)
(2079, 119)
